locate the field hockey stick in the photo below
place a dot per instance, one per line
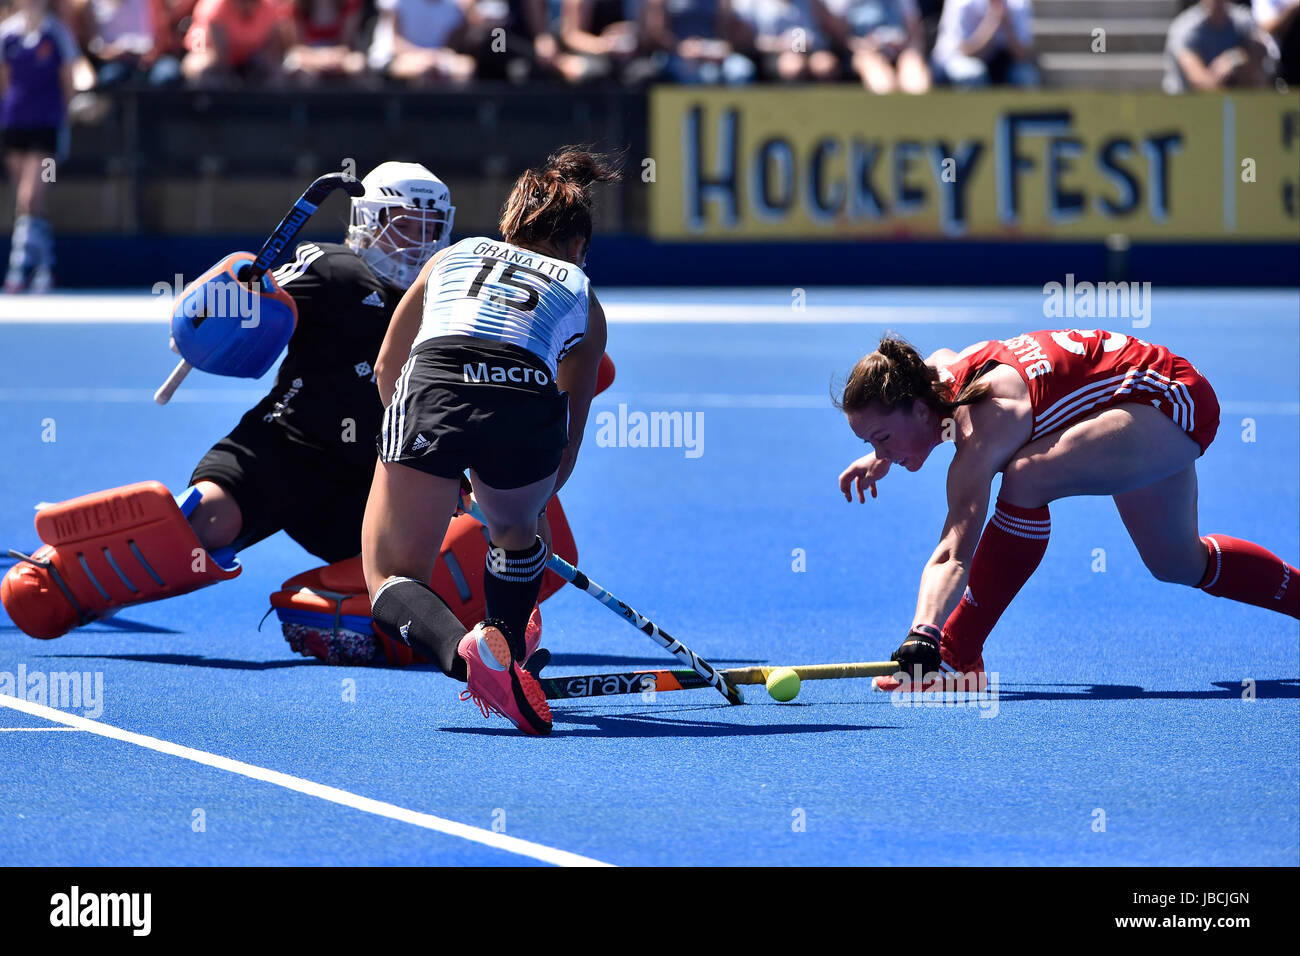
(712, 676)
(168, 388)
(638, 682)
(271, 250)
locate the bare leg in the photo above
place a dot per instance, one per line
(1129, 450)
(791, 66)
(1147, 463)
(512, 514)
(14, 164)
(1110, 452)
(913, 74)
(406, 519)
(876, 72)
(15, 277)
(823, 65)
(32, 185)
(217, 519)
(411, 65)
(202, 68)
(1161, 520)
(31, 245)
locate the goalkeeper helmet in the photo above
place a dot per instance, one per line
(402, 219)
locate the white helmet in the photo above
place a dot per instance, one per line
(404, 217)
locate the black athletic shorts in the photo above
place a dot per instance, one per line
(32, 139)
(465, 402)
(280, 484)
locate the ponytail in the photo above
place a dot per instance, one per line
(553, 203)
(895, 374)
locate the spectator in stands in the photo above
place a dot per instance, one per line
(126, 40)
(985, 41)
(1214, 45)
(415, 41)
(509, 39)
(786, 38)
(1280, 19)
(170, 35)
(39, 53)
(539, 23)
(179, 14)
(691, 40)
(599, 37)
(886, 43)
(236, 40)
(323, 40)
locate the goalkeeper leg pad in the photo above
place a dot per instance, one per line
(108, 550)
(325, 612)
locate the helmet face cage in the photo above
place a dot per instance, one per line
(397, 237)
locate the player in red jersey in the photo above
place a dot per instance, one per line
(1058, 414)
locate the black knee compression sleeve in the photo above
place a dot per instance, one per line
(511, 585)
(410, 613)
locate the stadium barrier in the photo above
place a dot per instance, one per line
(839, 163)
(824, 185)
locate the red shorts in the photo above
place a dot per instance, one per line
(1192, 405)
(1182, 395)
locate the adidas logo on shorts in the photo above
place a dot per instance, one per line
(420, 443)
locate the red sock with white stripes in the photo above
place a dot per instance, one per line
(1011, 547)
(1245, 572)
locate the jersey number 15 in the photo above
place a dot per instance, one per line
(510, 275)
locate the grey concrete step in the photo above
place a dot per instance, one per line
(1105, 9)
(1111, 71)
(1122, 36)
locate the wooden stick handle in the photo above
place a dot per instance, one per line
(759, 675)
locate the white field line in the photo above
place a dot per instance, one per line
(1259, 408)
(245, 397)
(128, 308)
(344, 798)
(694, 400)
(767, 313)
(88, 308)
(671, 306)
(127, 396)
(38, 730)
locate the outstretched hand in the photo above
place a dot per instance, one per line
(864, 473)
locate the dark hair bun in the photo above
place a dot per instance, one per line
(553, 204)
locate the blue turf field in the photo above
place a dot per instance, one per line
(1118, 695)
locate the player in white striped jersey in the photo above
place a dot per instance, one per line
(489, 365)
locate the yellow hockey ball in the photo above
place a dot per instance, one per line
(783, 684)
